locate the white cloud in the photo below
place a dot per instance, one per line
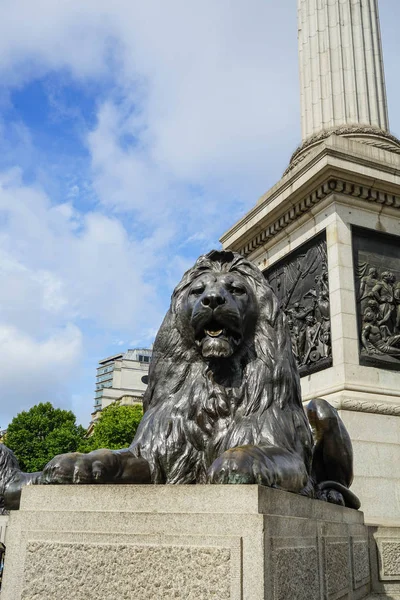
(62, 271)
(36, 370)
(204, 80)
(62, 262)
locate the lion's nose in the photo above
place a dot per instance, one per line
(213, 300)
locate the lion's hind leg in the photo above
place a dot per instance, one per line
(332, 461)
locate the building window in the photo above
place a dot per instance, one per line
(106, 377)
(103, 370)
(142, 358)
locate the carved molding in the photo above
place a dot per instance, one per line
(368, 407)
(303, 206)
(375, 134)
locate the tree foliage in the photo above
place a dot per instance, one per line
(42, 432)
(115, 429)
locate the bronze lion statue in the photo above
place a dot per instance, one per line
(223, 403)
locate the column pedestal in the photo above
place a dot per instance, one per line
(340, 188)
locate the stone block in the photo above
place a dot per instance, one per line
(360, 557)
(390, 559)
(336, 567)
(182, 542)
(385, 560)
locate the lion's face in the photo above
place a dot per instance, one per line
(222, 312)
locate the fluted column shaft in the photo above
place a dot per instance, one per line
(341, 67)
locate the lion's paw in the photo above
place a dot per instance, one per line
(240, 465)
(330, 495)
(95, 467)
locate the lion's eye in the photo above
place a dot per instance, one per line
(237, 290)
(197, 291)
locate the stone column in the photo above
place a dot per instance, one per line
(341, 70)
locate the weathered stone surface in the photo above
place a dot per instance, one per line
(122, 571)
(361, 571)
(390, 555)
(385, 559)
(337, 568)
(296, 574)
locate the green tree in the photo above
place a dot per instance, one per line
(115, 429)
(38, 434)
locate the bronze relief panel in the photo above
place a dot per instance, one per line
(377, 284)
(300, 281)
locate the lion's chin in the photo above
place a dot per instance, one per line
(219, 347)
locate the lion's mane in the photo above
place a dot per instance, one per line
(192, 414)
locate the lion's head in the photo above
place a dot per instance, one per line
(221, 361)
(218, 310)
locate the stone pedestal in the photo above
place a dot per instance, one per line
(183, 543)
(336, 188)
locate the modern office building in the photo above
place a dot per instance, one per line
(122, 377)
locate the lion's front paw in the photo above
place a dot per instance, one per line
(241, 465)
(331, 495)
(96, 467)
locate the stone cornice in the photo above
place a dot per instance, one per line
(361, 192)
(336, 157)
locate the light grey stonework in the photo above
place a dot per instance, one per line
(341, 68)
(340, 184)
(385, 560)
(296, 573)
(114, 571)
(337, 568)
(361, 570)
(181, 542)
(390, 553)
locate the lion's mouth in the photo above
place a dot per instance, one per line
(214, 334)
(216, 341)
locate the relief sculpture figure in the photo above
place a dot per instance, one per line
(379, 302)
(396, 294)
(377, 339)
(223, 402)
(383, 293)
(301, 283)
(367, 284)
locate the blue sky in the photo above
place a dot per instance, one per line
(132, 135)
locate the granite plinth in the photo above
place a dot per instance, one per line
(183, 542)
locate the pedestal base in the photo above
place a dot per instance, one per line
(183, 542)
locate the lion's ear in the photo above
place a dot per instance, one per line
(269, 305)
